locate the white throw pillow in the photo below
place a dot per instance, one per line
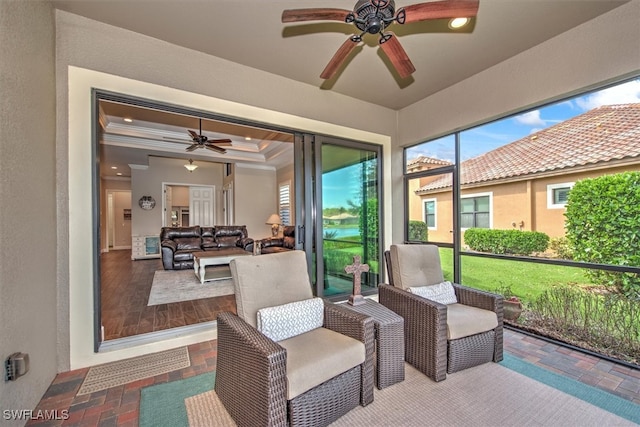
(288, 320)
(441, 292)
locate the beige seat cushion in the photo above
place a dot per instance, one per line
(317, 356)
(464, 320)
(415, 265)
(269, 280)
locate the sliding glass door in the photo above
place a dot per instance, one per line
(347, 220)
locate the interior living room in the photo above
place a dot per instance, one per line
(60, 59)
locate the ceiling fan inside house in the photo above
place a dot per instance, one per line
(373, 17)
(201, 141)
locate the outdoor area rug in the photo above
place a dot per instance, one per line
(489, 394)
(113, 374)
(163, 404)
(182, 285)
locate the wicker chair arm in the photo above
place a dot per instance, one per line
(425, 329)
(250, 374)
(360, 327)
(478, 298)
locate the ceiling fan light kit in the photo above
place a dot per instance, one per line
(190, 166)
(374, 16)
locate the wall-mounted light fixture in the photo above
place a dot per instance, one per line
(190, 166)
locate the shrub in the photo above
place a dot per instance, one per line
(514, 242)
(603, 227)
(608, 322)
(368, 226)
(419, 231)
(561, 247)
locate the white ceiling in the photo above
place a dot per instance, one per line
(250, 32)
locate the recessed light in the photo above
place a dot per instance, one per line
(456, 23)
(119, 174)
(128, 120)
(247, 138)
(114, 167)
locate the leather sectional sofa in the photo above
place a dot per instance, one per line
(273, 245)
(178, 244)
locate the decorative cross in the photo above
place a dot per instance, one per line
(356, 269)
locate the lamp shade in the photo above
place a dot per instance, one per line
(274, 219)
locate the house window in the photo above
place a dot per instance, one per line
(430, 213)
(558, 195)
(475, 211)
(284, 202)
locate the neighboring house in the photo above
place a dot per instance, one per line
(525, 184)
(341, 219)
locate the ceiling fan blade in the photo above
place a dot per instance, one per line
(192, 147)
(318, 14)
(215, 148)
(441, 10)
(338, 58)
(398, 57)
(194, 135)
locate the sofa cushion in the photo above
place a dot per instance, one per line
(252, 295)
(291, 319)
(465, 320)
(183, 256)
(188, 243)
(209, 243)
(441, 292)
(317, 356)
(289, 242)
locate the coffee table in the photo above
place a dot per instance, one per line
(220, 257)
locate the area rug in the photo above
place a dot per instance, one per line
(163, 404)
(486, 395)
(113, 374)
(170, 286)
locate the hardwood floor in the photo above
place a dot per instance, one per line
(125, 291)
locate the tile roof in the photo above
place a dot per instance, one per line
(428, 161)
(603, 134)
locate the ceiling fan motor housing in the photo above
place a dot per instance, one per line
(372, 19)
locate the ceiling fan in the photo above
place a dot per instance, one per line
(201, 141)
(373, 17)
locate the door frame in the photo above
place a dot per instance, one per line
(110, 219)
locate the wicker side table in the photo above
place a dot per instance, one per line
(389, 330)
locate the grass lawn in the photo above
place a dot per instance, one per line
(527, 280)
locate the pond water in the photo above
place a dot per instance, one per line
(342, 232)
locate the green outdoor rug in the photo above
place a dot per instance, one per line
(593, 395)
(163, 404)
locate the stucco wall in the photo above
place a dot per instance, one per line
(28, 204)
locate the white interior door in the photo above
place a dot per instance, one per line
(202, 206)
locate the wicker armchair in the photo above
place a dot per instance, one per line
(429, 325)
(306, 379)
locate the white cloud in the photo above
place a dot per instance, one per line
(532, 118)
(627, 93)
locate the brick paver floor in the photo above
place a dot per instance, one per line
(119, 406)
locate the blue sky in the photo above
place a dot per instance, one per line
(493, 135)
(488, 137)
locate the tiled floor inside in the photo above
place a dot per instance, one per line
(119, 406)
